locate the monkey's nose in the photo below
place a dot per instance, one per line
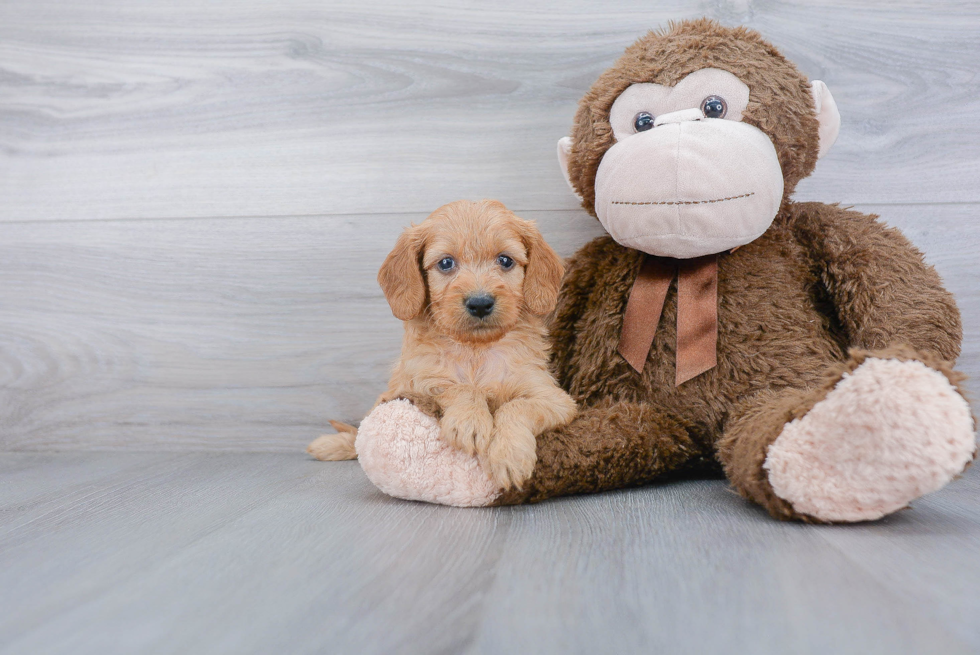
(682, 116)
(480, 306)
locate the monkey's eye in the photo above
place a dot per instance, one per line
(446, 264)
(505, 262)
(643, 121)
(714, 107)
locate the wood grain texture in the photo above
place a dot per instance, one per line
(260, 553)
(692, 567)
(242, 553)
(127, 110)
(934, 563)
(249, 334)
(236, 334)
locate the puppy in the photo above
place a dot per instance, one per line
(473, 283)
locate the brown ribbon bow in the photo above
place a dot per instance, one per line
(697, 313)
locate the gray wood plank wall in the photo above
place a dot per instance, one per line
(195, 197)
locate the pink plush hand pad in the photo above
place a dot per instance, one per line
(400, 451)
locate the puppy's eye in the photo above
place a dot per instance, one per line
(505, 262)
(446, 264)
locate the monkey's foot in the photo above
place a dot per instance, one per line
(401, 452)
(887, 433)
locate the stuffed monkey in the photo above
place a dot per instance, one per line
(802, 349)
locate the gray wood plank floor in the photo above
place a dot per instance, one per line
(195, 200)
(274, 553)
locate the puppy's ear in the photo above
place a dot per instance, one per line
(542, 277)
(401, 278)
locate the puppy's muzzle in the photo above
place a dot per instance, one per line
(480, 305)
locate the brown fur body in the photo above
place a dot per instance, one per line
(790, 309)
(807, 301)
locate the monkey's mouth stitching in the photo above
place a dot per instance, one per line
(684, 202)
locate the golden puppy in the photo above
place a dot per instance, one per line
(473, 283)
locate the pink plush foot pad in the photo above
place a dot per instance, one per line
(400, 451)
(889, 432)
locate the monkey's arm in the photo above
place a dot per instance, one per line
(883, 291)
(611, 445)
(574, 297)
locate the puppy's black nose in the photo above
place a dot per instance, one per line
(479, 306)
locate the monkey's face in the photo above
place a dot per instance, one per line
(675, 170)
(685, 177)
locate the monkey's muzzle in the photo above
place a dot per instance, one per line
(689, 187)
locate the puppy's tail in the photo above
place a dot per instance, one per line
(335, 447)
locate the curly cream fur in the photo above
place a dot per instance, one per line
(486, 378)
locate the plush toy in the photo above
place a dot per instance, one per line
(803, 349)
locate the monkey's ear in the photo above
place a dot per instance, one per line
(401, 278)
(542, 277)
(827, 114)
(564, 152)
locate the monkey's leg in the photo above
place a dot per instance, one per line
(884, 429)
(609, 446)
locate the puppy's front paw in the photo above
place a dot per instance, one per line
(511, 455)
(466, 428)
